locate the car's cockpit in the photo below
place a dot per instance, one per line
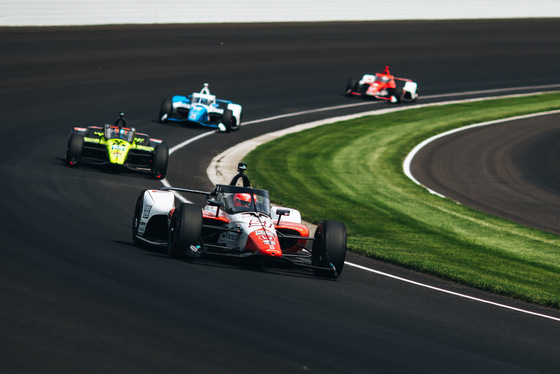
(203, 97)
(123, 133)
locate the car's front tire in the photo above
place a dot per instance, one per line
(351, 85)
(329, 248)
(229, 120)
(185, 230)
(165, 110)
(74, 149)
(159, 161)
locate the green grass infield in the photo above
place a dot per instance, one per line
(352, 171)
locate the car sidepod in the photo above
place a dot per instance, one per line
(151, 217)
(177, 109)
(288, 226)
(86, 145)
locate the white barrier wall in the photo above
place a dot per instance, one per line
(90, 12)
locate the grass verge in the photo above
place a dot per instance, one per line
(352, 171)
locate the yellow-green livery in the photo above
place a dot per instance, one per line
(117, 145)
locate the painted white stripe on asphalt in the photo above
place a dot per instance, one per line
(164, 181)
(451, 292)
(189, 141)
(304, 112)
(496, 90)
(408, 160)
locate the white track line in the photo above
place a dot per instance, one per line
(452, 292)
(408, 160)
(295, 114)
(164, 181)
(318, 123)
(497, 90)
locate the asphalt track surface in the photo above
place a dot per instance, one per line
(507, 169)
(77, 295)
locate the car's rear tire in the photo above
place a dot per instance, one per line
(160, 160)
(329, 247)
(185, 230)
(74, 149)
(166, 108)
(229, 120)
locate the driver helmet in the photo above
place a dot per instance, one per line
(242, 200)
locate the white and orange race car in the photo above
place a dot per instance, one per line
(237, 221)
(383, 86)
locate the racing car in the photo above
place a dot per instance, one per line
(117, 145)
(236, 222)
(383, 86)
(202, 108)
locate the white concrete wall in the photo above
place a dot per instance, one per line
(89, 12)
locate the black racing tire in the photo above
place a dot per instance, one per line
(160, 160)
(229, 121)
(185, 230)
(136, 218)
(165, 108)
(351, 85)
(329, 247)
(74, 149)
(398, 92)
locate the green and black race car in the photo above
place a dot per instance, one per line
(117, 145)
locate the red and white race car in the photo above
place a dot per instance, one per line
(237, 221)
(383, 86)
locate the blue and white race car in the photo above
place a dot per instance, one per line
(202, 108)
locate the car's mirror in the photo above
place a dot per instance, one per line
(216, 203)
(213, 202)
(282, 212)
